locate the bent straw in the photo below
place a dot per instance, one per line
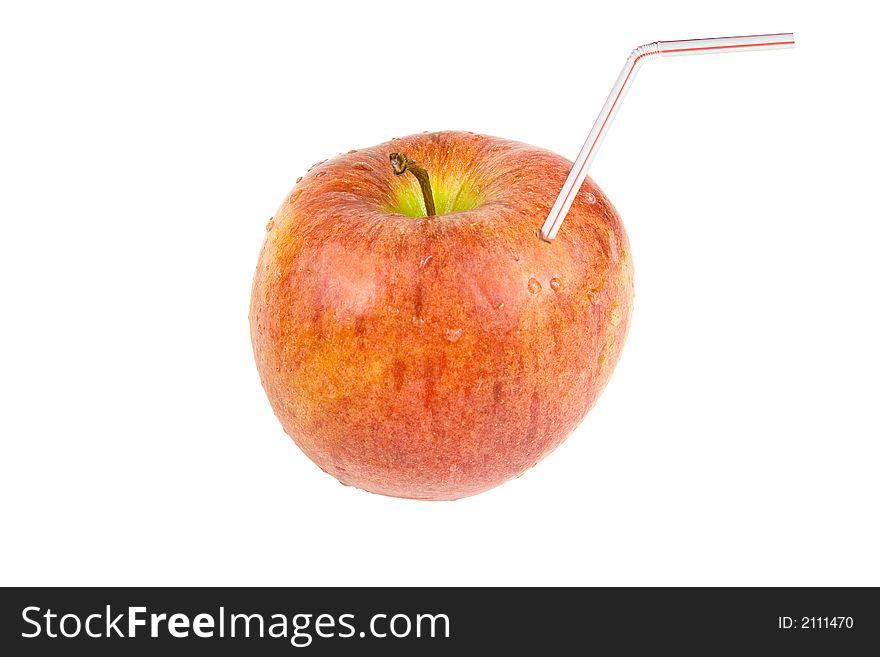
(657, 49)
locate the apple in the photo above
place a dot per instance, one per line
(437, 356)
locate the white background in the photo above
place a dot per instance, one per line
(143, 148)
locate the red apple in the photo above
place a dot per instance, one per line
(435, 357)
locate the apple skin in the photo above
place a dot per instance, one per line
(437, 357)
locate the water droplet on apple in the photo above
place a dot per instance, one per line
(590, 198)
(271, 224)
(361, 166)
(353, 150)
(317, 164)
(418, 322)
(555, 284)
(393, 310)
(424, 261)
(319, 174)
(534, 286)
(500, 305)
(294, 196)
(298, 178)
(453, 335)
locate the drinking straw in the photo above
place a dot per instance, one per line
(651, 50)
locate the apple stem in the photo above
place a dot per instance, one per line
(401, 165)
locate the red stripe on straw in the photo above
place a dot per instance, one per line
(737, 45)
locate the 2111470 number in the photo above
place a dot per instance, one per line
(816, 623)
